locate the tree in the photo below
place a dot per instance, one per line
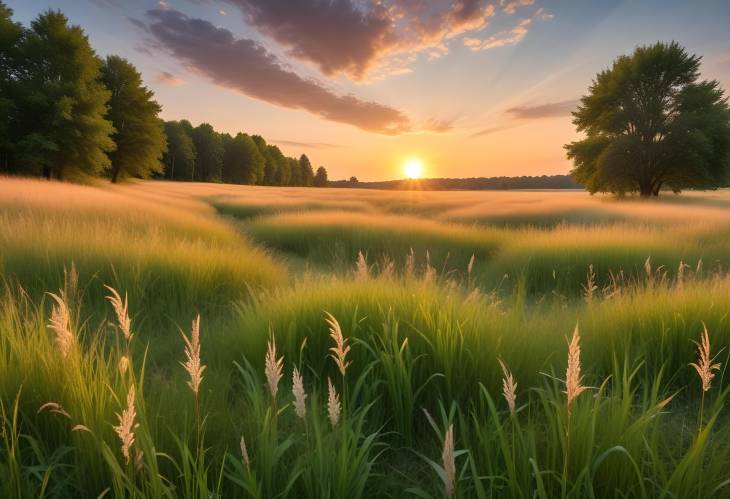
(650, 124)
(353, 180)
(296, 172)
(282, 173)
(179, 159)
(209, 153)
(320, 178)
(242, 161)
(59, 124)
(305, 167)
(11, 34)
(139, 134)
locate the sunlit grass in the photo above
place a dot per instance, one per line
(426, 333)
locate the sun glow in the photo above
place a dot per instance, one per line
(413, 168)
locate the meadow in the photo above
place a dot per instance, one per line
(165, 339)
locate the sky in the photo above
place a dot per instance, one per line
(470, 88)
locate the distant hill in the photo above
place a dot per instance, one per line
(467, 184)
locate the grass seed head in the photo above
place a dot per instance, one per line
(341, 348)
(573, 379)
(705, 361)
(60, 324)
(300, 395)
(121, 309)
(362, 271)
(127, 425)
(509, 387)
(192, 363)
(273, 368)
(334, 408)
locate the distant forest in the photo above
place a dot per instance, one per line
(466, 184)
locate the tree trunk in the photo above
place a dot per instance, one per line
(115, 174)
(657, 188)
(47, 172)
(645, 189)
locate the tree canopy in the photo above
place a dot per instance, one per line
(139, 135)
(59, 119)
(650, 124)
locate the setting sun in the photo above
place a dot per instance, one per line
(413, 168)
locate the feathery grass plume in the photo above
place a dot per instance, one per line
(589, 288)
(273, 368)
(60, 323)
(333, 404)
(470, 267)
(649, 273)
(80, 427)
(680, 275)
(410, 263)
(430, 272)
(509, 387)
(192, 357)
(121, 309)
(244, 453)
(299, 394)
(573, 379)
(704, 365)
(447, 457)
(362, 266)
(127, 425)
(341, 348)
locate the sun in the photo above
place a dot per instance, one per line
(413, 168)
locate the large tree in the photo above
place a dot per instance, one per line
(650, 124)
(11, 34)
(139, 134)
(242, 161)
(179, 159)
(209, 153)
(60, 122)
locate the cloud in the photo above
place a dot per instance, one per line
(166, 78)
(502, 39)
(247, 67)
(352, 37)
(438, 126)
(550, 110)
(307, 145)
(512, 36)
(510, 7)
(491, 130)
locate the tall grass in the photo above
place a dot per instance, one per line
(401, 373)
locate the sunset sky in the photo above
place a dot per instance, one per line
(471, 88)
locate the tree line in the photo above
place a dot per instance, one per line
(66, 113)
(203, 154)
(467, 184)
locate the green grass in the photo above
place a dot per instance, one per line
(424, 343)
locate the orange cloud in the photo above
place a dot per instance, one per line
(353, 38)
(245, 66)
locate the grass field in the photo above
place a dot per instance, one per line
(427, 291)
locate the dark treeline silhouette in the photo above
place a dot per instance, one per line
(202, 154)
(65, 113)
(466, 184)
